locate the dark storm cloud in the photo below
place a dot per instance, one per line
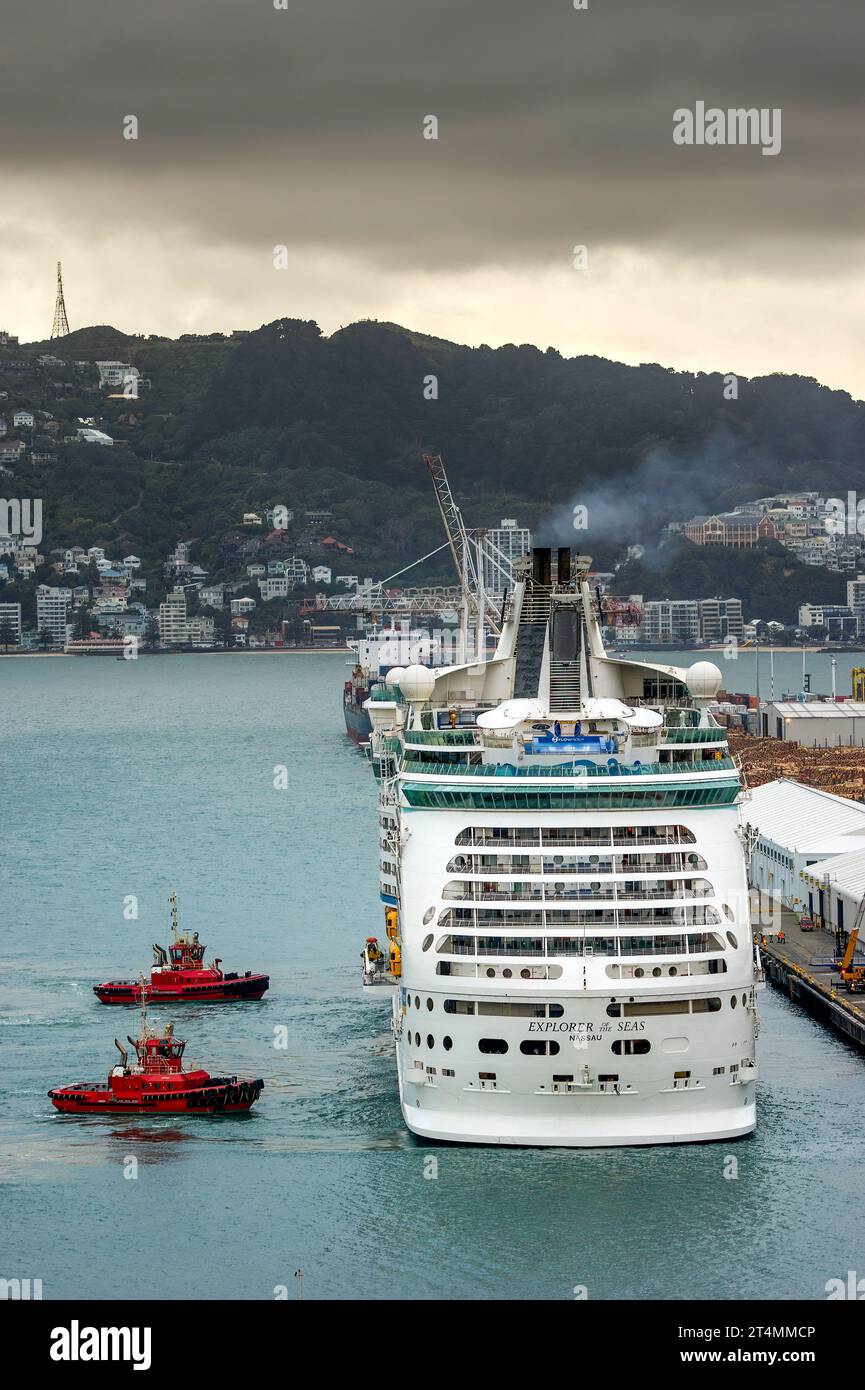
(304, 126)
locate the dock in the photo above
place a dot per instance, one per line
(788, 966)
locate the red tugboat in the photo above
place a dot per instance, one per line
(179, 974)
(156, 1084)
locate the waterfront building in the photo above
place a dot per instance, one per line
(792, 828)
(172, 619)
(52, 612)
(815, 723)
(671, 620)
(10, 619)
(720, 618)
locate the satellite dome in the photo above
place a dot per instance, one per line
(703, 680)
(417, 683)
(395, 675)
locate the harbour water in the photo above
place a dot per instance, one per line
(128, 779)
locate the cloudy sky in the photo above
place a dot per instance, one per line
(261, 127)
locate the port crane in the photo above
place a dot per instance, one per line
(853, 976)
(473, 554)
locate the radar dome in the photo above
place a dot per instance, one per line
(417, 683)
(703, 680)
(395, 675)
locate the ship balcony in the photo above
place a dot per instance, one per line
(632, 838)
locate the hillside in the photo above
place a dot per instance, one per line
(225, 425)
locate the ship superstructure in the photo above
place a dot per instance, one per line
(563, 875)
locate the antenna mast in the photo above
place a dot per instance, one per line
(61, 322)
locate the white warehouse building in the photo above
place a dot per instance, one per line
(815, 723)
(796, 828)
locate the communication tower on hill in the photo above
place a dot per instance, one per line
(61, 322)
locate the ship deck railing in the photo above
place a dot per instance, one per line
(577, 768)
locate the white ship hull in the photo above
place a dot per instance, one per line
(510, 1098)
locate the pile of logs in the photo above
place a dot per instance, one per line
(839, 770)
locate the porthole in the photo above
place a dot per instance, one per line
(430, 1040)
(427, 942)
(733, 1001)
(732, 940)
(744, 1000)
(525, 974)
(490, 973)
(534, 1047)
(639, 972)
(507, 973)
(674, 970)
(631, 1047)
(447, 1044)
(429, 1004)
(492, 1045)
(417, 1001)
(656, 972)
(428, 915)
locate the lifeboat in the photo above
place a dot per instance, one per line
(179, 974)
(155, 1083)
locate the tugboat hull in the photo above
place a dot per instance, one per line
(213, 992)
(215, 1098)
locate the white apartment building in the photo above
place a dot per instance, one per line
(10, 619)
(512, 541)
(275, 587)
(52, 612)
(200, 631)
(671, 620)
(172, 619)
(720, 618)
(856, 601)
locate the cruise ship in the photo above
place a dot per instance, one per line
(563, 875)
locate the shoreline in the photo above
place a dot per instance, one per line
(213, 651)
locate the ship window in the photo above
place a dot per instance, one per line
(486, 1076)
(733, 1001)
(705, 1006)
(417, 1001)
(446, 1071)
(563, 1078)
(534, 1047)
(631, 1047)
(447, 1044)
(732, 940)
(427, 942)
(428, 916)
(429, 1003)
(492, 1045)
(430, 1040)
(459, 1006)
(718, 1071)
